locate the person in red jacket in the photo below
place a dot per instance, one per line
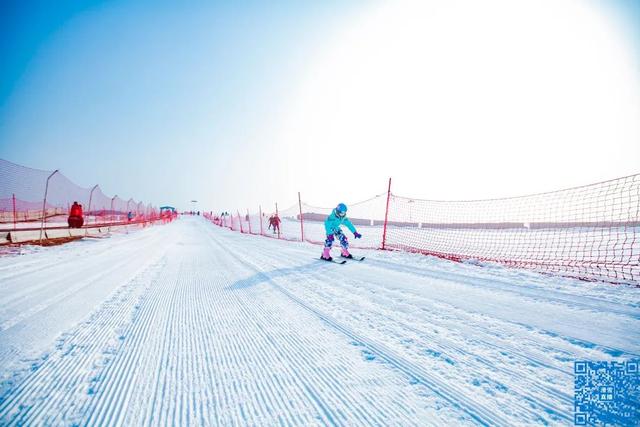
(274, 221)
(76, 218)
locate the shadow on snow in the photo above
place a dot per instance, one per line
(261, 277)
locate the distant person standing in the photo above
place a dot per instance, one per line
(76, 218)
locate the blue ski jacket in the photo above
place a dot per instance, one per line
(333, 223)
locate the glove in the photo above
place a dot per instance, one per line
(330, 237)
(357, 235)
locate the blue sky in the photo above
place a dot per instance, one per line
(138, 95)
(169, 101)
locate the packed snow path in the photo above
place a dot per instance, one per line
(195, 325)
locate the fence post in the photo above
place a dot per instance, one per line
(90, 197)
(14, 211)
(301, 221)
(240, 221)
(260, 213)
(278, 216)
(249, 221)
(44, 203)
(112, 200)
(386, 216)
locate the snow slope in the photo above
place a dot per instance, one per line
(196, 325)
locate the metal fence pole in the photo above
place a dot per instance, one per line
(112, 200)
(14, 211)
(44, 203)
(90, 197)
(301, 221)
(249, 221)
(386, 217)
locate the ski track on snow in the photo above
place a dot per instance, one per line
(182, 342)
(549, 381)
(189, 324)
(38, 304)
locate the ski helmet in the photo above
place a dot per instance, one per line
(341, 209)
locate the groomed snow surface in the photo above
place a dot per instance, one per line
(190, 324)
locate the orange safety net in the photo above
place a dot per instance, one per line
(590, 232)
(28, 195)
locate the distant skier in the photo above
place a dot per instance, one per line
(337, 218)
(274, 221)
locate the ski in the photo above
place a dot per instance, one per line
(335, 261)
(354, 258)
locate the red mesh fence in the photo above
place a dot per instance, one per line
(27, 196)
(367, 216)
(590, 232)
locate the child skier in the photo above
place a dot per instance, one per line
(332, 225)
